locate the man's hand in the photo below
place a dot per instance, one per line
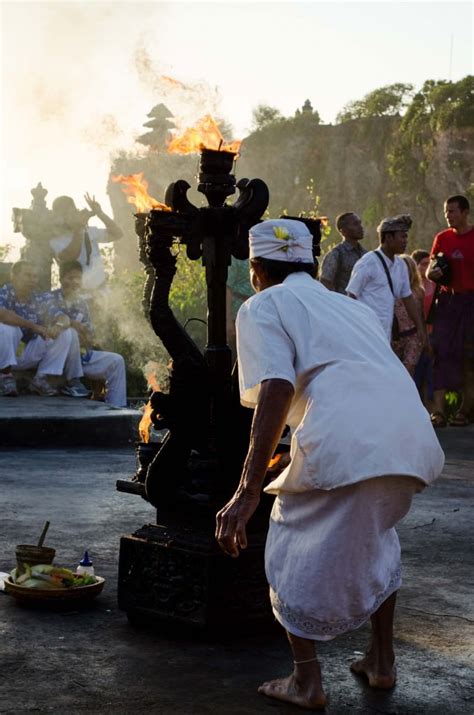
(269, 421)
(232, 520)
(54, 331)
(435, 274)
(42, 331)
(79, 222)
(93, 204)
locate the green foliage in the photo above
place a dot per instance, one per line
(439, 105)
(314, 212)
(263, 115)
(383, 102)
(5, 250)
(452, 404)
(188, 299)
(372, 213)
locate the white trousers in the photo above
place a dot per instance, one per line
(61, 356)
(111, 368)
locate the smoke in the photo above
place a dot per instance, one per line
(187, 101)
(78, 81)
(122, 327)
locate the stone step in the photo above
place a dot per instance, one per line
(31, 421)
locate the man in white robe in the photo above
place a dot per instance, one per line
(362, 445)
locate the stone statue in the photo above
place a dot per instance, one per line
(36, 224)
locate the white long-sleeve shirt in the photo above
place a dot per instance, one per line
(369, 284)
(356, 413)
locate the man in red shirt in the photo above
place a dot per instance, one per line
(453, 328)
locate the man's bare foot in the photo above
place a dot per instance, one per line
(308, 695)
(383, 677)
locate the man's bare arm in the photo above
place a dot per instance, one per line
(268, 423)
(415, 314)
(434, 274)
(113, 231)
(9, 317)
(326, 283)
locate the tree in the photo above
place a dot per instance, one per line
(263, 115)
(226, 129)
(386, 101)
(439, 105)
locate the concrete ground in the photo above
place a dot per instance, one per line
(94, 661)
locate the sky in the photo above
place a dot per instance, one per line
(78, 78)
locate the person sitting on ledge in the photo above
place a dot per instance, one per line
(51, 350)
(67, 306)
(322, 364)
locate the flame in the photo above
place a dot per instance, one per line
(145, 424)
(204, 135)
(150, 371)
(136, 187)
(274, 460)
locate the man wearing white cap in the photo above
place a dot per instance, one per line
(381, 276)
(314, 360)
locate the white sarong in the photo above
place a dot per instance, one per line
(333, 557)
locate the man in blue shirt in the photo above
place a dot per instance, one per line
(51, 350)
(66, 306)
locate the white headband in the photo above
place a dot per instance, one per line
(281, 240)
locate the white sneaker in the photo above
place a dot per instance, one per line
(75, 388)
(39, 385)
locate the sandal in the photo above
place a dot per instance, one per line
(438, 419)
(459, 420)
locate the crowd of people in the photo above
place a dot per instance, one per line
(51, 332)
(427, 312)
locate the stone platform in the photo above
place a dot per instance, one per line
(30, 421)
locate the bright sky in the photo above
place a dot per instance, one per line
(78, 78)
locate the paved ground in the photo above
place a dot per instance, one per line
(95, 661)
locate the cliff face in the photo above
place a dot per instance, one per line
(351, 165)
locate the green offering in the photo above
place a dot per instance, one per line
(46, 576)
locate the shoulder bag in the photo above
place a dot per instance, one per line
(395, 326)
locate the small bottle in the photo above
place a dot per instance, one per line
(85, 566)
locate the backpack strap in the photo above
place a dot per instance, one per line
(387, 273)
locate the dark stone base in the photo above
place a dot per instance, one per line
(178, 575)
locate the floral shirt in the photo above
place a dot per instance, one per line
(76, 309)
(35, 309)
(338, 264)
